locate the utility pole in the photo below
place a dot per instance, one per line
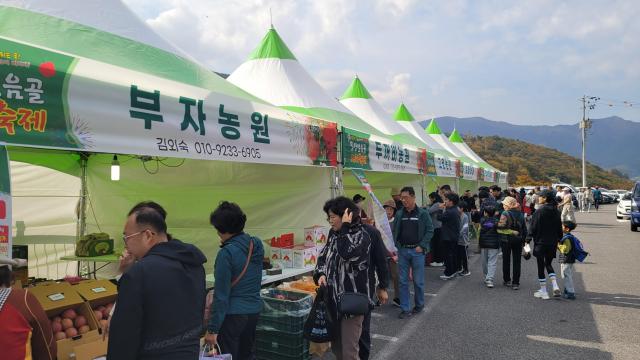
(585, 124)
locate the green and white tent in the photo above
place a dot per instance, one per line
(358, 99)
(404, 118)
(274, 74)
(90, 85)
(457, 141)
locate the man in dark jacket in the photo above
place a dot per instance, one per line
(377, 267)
(449, 233)
(161, 297)
(412, 235)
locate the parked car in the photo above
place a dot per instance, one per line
(624, 207)
(621, 193)
(608, 196)
(635, 207)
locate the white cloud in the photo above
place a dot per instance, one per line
(419, 50)
(396, 8)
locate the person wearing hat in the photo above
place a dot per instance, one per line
(512, 229)
(359, 201)
(26, 331)
(390, 207)
(395, 195)
(546, 231)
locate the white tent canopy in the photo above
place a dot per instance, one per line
(358, 99)
(404, 117)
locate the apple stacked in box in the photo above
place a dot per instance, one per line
(102, 314)
(69, 324)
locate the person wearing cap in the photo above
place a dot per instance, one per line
(513, 231)
(395, 195)
(26, 331)
(359, 201)
(390, 207)
(413, 232)
(566, 206)
(546, 231)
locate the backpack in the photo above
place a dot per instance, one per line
(577, 250)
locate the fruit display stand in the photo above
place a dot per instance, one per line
(270, 279)
(105, 259)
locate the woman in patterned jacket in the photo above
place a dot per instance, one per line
(343, 267)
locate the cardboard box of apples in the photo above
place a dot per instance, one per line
(77, 312)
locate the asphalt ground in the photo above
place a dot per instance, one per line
(464, 319)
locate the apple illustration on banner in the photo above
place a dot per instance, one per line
(47, 69)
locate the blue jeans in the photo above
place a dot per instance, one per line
(410, 258)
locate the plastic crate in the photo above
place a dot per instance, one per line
(280, 322)
(294, 304)
(277, 345)
(272, 340)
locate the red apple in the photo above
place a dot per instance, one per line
(60, 335)
(71, 332)
(84, 329)
(80, 321)
(56, 319)
(69, 314)
(66, 324)
(56, 327)
(98, 314)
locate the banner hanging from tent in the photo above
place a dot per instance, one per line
(488, 175)
(470, 172)
(370, 152)
(379, 214)
(502, 178)
(54, 100)
(5, 204)
(438, 165)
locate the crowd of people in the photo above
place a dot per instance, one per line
(161, 299)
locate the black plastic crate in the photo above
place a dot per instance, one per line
(280, 322)
(276, 345)
(272, 340)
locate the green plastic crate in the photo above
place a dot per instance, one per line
(276, 345)
(280, 322)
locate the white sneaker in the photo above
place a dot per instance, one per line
(541, 295)
(489, 284)
(436, 264)
(556, 292)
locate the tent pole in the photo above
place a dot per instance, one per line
(82, 210)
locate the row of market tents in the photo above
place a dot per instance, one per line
(84, 81)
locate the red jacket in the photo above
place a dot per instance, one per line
(25, 332)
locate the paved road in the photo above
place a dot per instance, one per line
(465, 320)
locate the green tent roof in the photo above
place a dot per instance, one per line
(271, 47)
(455, 137)
(403, 114)
(433, 128)
(356, 91)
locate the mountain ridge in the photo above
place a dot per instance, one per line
(610, 141)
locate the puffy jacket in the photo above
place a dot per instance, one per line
(489, 237)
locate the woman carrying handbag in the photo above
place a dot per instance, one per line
(343, 268)
(238, 274)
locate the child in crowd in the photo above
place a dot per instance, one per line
(567, 259)
(463, 244)
(489, 244)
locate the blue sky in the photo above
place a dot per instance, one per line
(523, 62)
